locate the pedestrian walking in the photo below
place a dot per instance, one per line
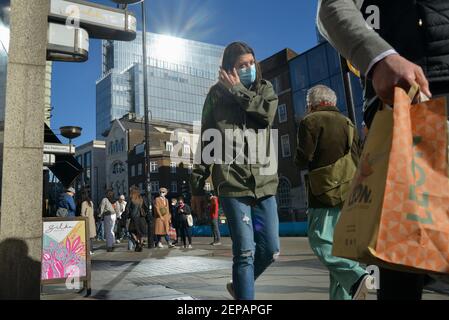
(213, 214)
(175, 219)
(135, 217)
(87, 210)
(162, 218)
(328, 141)
(107, 211)
(409, 44)
(185, 223)
(120, 224)
(66, 204)
(242, 100)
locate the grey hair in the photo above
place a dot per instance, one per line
(321, 94)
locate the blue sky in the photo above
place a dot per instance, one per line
(267, 25)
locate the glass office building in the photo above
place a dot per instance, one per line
(180, 74)
(321, 65)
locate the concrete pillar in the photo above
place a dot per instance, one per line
(21, 208)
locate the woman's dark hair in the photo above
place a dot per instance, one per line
(233, 52)
(86, 197)
(110, 195)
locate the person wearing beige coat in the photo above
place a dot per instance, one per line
(87, 210)
(162, 218)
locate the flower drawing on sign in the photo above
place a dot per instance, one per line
(59, 258)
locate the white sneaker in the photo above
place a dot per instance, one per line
(91, 253)
(230, 288)
(362, 291)
(190, 246)
(160, 245)
(117, 241)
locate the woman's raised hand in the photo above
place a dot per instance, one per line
(229, 79)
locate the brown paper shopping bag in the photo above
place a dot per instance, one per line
(397, 213)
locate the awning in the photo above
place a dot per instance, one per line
(66, 167)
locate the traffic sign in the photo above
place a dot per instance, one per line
(49, 159)
(58, 148)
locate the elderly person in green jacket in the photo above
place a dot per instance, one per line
(392, 43)
(326, 138)
(242, 101)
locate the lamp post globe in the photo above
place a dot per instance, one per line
(70, 132)
(126, 1)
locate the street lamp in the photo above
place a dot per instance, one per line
(70, 132)
(125, 3)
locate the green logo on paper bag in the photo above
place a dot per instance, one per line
(413, 195)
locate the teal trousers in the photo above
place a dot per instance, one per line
(344, 273)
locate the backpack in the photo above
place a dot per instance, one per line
(62, 212)
(331, 184)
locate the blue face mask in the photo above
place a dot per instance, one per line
(248, 75)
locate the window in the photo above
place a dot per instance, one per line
(141, 187)
(318, 68)
(154, 186)
(282, 112)
(207, 186)
(133, 171)
(79, 159)
(111, 147)
(169, 146)
(276, 82)
(154, 168)
(122, 145)
(139, 169)
(285, 142)
(173, 167)
(174, 187)
(186, 149)
(283, 195)
(300, 73)
(299, 100)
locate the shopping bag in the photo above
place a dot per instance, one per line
(172, 234)
(397, 212)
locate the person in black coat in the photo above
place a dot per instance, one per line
(135, 214)
(185, 215)
(175, 218)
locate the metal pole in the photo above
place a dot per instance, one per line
(348, 90)
(147, 134)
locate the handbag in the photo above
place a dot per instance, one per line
(62, 212)
(396, 215)
(190, 220)
(172, 233)
(143, 213)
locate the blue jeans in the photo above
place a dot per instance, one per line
(100, 230)
(254, 229)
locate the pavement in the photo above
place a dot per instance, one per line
(201, 273)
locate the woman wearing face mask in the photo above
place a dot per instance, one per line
(241, 100)
(162, 219)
